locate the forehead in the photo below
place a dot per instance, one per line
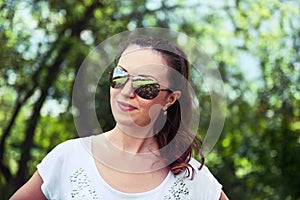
(142, 60)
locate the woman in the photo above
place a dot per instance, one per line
(147, 155)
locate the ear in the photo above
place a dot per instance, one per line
(171, 99)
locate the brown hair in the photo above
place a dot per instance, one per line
(179, 114)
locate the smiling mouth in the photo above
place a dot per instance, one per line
(126, 106)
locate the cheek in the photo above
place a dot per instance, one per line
(150, 113)
(113, 93)
(152, 108)
(112, 96)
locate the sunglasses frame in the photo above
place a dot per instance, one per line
(111, 79)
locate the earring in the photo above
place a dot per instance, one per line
(165, 112)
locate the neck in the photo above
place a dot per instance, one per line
(132, 140)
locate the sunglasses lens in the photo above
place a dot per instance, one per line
(118, 78)
(145, 87)
(119, 81)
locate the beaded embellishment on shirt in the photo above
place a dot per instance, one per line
(81, 186)
(178, 191)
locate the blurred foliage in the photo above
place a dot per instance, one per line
(255, 44)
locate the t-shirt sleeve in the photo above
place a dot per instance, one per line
(207, 185)
(50, 169)
(212, 187)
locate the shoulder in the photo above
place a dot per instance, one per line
(202, 186)
(58, 164)
(203, 171)
(72, 145)
(65, 151)
(205, 181)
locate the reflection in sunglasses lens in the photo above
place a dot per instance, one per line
(146, 88)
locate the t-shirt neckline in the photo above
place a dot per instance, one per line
(117, 192)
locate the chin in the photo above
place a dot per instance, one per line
(134, 123)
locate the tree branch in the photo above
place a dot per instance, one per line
(76, 28)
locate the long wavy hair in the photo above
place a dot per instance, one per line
(179, 115)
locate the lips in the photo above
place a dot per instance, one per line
(125, 106)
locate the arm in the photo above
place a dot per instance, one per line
(223, 196)
(30, 190)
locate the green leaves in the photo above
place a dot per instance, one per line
(255, 45)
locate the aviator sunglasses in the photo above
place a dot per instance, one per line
(143, 86)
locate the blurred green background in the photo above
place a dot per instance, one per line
(254, 43)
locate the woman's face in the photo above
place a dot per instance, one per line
(129, 109)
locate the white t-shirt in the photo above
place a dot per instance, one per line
(69, 172)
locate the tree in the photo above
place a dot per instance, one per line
(44, 43)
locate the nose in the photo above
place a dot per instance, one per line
(127, 89)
